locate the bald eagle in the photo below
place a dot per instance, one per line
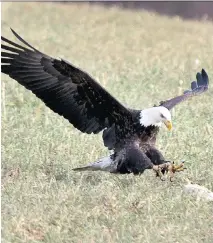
(75, 95)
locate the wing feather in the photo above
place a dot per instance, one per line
(64, 88)
(197, 87)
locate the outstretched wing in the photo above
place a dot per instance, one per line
(64, 88)
(197, 87)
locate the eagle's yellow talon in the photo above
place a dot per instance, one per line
(170, 168)
(175, 168)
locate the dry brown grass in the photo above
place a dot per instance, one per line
(141, 58)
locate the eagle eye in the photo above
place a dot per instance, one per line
(162, 116)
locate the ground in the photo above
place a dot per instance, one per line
(141, 58)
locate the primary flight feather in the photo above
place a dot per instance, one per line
(75, 95)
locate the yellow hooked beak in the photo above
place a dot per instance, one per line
(168, 124)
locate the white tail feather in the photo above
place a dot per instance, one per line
(104, 164)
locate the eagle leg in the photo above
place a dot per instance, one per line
(168, 167)
(175, 168)
(161, 169)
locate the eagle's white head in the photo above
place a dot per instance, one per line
(155, 116)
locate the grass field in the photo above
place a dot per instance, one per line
(141, 58)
